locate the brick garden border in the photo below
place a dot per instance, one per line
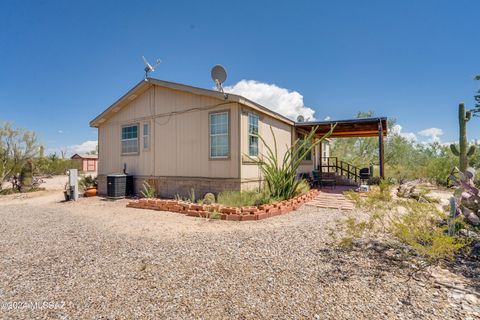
(226, 213)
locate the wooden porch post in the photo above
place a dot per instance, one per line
(320, 157)
(381, 149)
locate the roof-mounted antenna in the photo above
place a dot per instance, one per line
(219, 75)
(149, 67)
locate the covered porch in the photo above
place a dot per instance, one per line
(320, 159)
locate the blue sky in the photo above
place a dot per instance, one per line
(63, 62)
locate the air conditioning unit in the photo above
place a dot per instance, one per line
(119, 186)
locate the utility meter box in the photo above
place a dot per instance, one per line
(73, 184)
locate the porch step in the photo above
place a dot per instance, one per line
(330, 200)
(340, 180)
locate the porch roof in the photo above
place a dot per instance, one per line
(361, 127)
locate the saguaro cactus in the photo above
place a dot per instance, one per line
(26, 176)
(462, 152)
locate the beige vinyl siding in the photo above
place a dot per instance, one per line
(178, 139)
(249, 171)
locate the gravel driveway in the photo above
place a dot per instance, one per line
(97, 259)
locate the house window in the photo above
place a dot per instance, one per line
(219, 146)
(146, 136)
(252, 135)
(308, 157)
(130, 139)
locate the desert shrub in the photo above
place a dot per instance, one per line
(191, 197)
(354, 230)
(421, 228)
(148, 189)
(243, 198)
(438, 169)
(215, 215)
(384, 188)
(302, 188)
(52, 165)
(418, 225)
(8, 191)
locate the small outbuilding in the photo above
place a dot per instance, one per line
(86, 162)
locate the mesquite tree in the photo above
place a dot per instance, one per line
(17, 146)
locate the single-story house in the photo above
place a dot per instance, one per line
(86, 162)
(187, 138)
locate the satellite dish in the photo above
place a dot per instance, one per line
(300, 118)
(219, 75)
(149, 67)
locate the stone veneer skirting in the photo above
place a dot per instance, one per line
(169, 187)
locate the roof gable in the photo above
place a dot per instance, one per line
(84, 156)
(144, 85)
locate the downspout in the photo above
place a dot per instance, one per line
(240, 133)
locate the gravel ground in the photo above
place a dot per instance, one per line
(97, 259)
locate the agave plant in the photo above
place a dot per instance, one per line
(281, 176)
(466, 198)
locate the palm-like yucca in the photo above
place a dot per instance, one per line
(281, 178)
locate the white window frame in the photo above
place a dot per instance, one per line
(251, 135)
(146, 137)
(129, 139)
(211, 135)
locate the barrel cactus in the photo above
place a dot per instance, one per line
(209, 198)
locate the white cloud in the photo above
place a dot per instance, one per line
(432, 133)
(283, 101)
(327, 118)
(83, 147)
(409, 136)
(60, 131)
